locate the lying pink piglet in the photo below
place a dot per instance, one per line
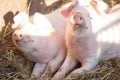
(107, 32)
(39, 43)
(100, 17)
(87, 47)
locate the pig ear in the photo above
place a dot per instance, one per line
(65, 13)
(19, 18)
(94, 4)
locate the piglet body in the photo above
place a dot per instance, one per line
(80, 42)
(39, 44)
(108, 35)
(106, 29)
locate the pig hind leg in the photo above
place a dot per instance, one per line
(54, 64)
(69, 63)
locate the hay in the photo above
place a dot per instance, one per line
(14, 66)
(106, 70)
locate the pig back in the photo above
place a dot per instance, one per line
(108, 35)
(58, 22)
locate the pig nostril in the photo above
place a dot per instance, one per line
(81, 18)
(20, 35)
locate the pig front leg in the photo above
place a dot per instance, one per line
(54, 64)
(114, 8)
(38, 70)
(67, 66)
(87, 65)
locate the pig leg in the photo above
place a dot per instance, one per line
(54, 64)
(114, 8)
(67, 66)
(87, 65)
(69, 9)
(38, 70)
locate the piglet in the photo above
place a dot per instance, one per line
(80, 42)
(39, 43)
(106, 29)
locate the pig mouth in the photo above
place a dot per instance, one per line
(81, 26)
(23, 41)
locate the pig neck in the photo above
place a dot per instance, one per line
(72, 35)
(80, 44)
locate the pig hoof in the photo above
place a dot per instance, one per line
(46, 76)
(70, 76)
(33, 77)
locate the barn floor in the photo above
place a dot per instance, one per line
(14, 66)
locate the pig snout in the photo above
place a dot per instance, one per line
(77, 18)
(17, 36)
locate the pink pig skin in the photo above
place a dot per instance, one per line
(114, 8)
(79, 37)
(39, 43)
(106, 27)
(87, 45)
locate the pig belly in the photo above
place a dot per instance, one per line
(37, 58)
(46, 51)
(42, 55)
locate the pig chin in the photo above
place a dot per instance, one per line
(23, 43)
(80, 27)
